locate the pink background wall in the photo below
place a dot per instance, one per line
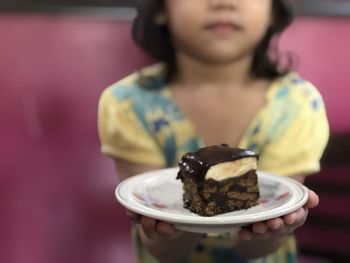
(322, 46)
(57, 191)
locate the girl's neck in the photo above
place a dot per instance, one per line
(197, 73)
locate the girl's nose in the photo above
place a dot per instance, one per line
(223, 4)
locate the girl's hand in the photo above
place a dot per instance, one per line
(154, 229)
(281, 226)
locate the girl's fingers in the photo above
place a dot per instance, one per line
(296, 218)
(248, 232)
(148, 226)
(312, 201)
(278, 227)
(275, 224)
(168, 230)
(133, 216)
(259, 228)
(158, 229)
(290, 218)
(245, 234)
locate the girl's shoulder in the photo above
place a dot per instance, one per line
(293, 87)
(149, 79)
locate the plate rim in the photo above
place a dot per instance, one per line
(193, 219)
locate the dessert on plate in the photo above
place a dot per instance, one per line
(219, 179)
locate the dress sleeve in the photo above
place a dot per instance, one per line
(299, 148)
(122, 135)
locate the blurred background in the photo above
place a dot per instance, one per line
(57, 199)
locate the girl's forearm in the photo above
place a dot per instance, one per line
(170, 250)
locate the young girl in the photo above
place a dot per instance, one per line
(218, 81)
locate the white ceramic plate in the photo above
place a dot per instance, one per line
(158, 194)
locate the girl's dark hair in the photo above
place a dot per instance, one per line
(156, 40)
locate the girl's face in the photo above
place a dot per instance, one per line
(217, 31)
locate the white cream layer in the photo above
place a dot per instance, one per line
(235, 168)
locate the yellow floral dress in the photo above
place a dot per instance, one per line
(139, 121)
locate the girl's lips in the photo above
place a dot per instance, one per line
(222, 28)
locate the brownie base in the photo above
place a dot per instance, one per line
(217, 197)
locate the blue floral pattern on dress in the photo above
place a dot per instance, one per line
(156, 112)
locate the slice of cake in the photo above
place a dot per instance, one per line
(219, 179)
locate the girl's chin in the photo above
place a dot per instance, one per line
(221, 58)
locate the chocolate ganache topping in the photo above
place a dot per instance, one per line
(195, 165)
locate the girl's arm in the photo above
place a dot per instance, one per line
(163, 241)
